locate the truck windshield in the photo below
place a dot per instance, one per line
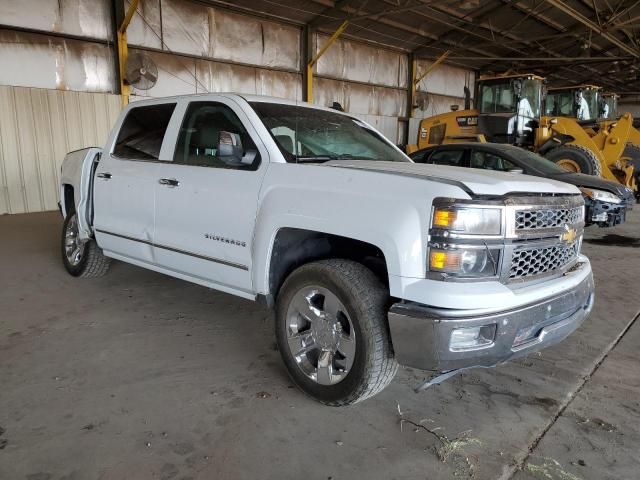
(306, 134)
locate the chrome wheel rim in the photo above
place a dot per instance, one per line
(73, 248)
(320, 335)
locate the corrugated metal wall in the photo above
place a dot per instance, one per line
(68, 46)
(37, 128)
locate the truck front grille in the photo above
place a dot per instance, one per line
(529, 262)
(548, 218)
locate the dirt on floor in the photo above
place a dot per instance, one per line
(141, 376)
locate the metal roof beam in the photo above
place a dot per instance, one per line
(593, 26)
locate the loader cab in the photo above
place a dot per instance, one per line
(509, 108)
(581, 102)
(609, 106)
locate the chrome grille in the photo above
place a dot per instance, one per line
(548, 218)
(528, 262)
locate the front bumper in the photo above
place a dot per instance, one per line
(605, 214)
(421, 335)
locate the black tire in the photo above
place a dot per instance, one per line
(584, 158)
(91, 263)
(365, 299)
(633, 152)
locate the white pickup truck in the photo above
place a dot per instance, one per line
(370, 259)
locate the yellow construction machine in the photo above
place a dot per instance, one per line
(510, 110)
(597, 113)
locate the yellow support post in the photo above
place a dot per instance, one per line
(317, 56)
(123, 51)
(432, 67)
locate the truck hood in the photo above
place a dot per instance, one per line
(479, 182)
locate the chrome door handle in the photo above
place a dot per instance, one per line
(105, 175)
(169, 182)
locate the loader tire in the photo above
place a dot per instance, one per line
(335, 310)
(633, 152)
(81, 259)
(575, 158)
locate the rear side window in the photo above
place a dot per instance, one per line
(489, 161)
(142, 132)
(453, 158)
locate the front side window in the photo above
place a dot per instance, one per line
(511, 96)
(587, 100)
(212, 135)
(560, 104)
(306, 134)
(490, 161)
(142, 132)
(497, 98)
(453, 158)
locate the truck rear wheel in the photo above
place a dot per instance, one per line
(633, 152)
(81, 259)
(332, 331)
(575, 158)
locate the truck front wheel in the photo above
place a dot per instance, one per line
(332, 331)
(81, 259)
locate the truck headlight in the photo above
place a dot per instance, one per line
(468, 220)
(601, 195)
(471, 262)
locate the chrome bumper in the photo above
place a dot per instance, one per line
(421, 335)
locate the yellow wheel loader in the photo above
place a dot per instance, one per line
(596, 112)
(509, 110)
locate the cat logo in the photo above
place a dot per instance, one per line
(569, 234)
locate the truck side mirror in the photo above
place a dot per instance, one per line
(231, 151)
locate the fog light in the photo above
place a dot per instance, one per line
(471, 338)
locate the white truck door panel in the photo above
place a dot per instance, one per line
(125, 181)
(124, 207)
(205, 209)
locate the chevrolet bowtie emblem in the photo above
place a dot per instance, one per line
(569, 234)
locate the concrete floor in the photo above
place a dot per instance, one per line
(141, 376)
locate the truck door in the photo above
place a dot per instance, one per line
(125, 181)
(207, 198)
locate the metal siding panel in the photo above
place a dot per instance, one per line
(88, 119)
(73, 123)
(218, 34)
(359, 62)
(37, 129)
(27, 141)
(44, 151)
(59, 127)
(87, 18)
(185, 27)
(11, 151)
(444, 79)
(279, 84)
(176, 76)
(52, 62)
(145, 33)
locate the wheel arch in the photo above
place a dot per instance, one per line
(293, 247)
(67, 196)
